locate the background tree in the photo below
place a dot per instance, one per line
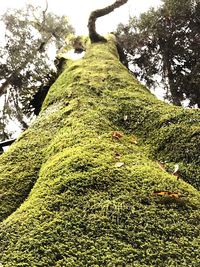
(166, 42)
(26, 62)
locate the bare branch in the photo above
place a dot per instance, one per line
(94, 36)
(47, 6)
(44, 13)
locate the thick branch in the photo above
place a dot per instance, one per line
(94, 36)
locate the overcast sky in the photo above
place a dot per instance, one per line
(79, 10)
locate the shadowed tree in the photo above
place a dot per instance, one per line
(164, 43)
(82, 186)
(25, 64)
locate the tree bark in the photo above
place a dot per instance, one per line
(94, 36)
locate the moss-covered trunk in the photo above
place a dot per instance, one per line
(73, 193)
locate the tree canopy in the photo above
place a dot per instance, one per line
(165, 42)
(25, 63)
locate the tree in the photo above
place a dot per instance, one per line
(165, 42)
(81, 186)
(25, 61)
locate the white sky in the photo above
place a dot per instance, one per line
(78, 11)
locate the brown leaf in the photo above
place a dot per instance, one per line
(117, 135)
(166, 193)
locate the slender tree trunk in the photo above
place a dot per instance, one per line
(175, 99)
(169, 73)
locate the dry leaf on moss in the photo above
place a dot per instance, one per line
(119, 164)
(176, 171)
(125, 117)
(166, 193)
(117, 135)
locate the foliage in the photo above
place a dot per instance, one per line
(26, 64)
(165, 42)
(75, 206)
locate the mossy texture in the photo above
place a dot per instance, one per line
(72, 195)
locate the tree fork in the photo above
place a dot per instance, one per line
(94, 36)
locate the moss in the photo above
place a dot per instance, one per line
(172, 133)
(80, 208)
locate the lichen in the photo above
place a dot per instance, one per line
(67, 202)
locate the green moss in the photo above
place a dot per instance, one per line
(83, 208)
(172, 133)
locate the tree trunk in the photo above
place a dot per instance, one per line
(83, 187)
